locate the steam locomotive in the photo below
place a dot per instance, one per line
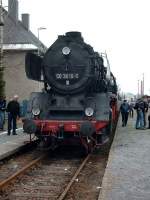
(77, 104)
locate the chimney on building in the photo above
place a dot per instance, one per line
(25, 20)
(13, 9)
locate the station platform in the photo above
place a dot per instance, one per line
(13, 143)
(127, 175)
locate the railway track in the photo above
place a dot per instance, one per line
(51, 179)
(87, 185)
(15, 165)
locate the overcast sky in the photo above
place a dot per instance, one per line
(121, 27)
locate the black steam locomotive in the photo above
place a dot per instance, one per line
(78, 101)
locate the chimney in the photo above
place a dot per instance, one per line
(13, 9)
(25, 20)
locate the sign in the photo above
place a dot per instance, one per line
(67, 76)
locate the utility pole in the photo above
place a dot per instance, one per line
(138, 89)
(39, 51)
(2, 82)
(39, 29)
(141, 88)
(143, 84)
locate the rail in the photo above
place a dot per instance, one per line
(7, 181)
(63, 195)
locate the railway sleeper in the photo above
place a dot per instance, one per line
(39, 195)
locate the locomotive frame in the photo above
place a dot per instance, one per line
(78, 108)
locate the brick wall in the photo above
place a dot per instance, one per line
(15, 77)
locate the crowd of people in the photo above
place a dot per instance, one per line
(13, 110)
(141, 107)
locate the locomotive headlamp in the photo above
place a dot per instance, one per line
(35, 111)
(89, 112)
(66, 51)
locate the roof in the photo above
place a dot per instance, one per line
(16, 34)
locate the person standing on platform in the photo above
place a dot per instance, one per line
(140, 109)
(124, 109)
(2, 112)
(131, 112)
(13, 109)
(145, 110)
(149, 121)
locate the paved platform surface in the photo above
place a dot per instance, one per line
(11, 144)
(127, 176)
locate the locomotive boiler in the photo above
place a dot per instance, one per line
(77, 104)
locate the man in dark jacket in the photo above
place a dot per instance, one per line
(2, 112)
(149, 121)
(13, 109)
(124, 109)
(145, 110)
